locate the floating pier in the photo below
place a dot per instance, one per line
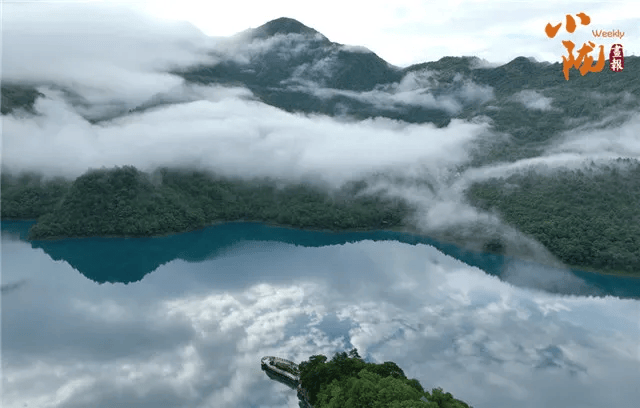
(283, 368)
(285, 371)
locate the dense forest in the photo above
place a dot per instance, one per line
(126, 202)
(347, 381)
(589, 218)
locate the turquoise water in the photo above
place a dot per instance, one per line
(129, 260)
(183, 320)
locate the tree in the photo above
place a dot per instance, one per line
(369, 389)
(347, 381)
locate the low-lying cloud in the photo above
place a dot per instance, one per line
(534, 100)
(622, 140)
(230, 135)
(242, 48)
(417, 88)
(110, 54)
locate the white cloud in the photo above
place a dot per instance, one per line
(616, 140)
(414, 89)
(109, 55)
(533, 100)
(242, 49)
(356, 48)
(229, 135)
(409, 31)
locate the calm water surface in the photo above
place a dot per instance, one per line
(182, 321)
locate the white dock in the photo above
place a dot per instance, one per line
(287, 370)
(280, 366)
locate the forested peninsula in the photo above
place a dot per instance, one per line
(347, 381)
(127, 202)
(588, 218)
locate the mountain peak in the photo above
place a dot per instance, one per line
(282, 25)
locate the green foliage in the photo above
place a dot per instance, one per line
(29, 195)
(347, 381)
(370, 390)
(591, 98)
(17, 97)
(445, 400)
(126, 202)
(388, 369)
(588, 218)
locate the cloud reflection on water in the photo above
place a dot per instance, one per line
(185, 337)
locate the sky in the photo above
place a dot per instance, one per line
(406, 32)
(402, 32)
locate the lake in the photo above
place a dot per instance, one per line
(183, 320)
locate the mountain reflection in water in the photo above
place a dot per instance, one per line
(127, 260)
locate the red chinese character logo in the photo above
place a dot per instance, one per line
(584, 60)
(616, 58)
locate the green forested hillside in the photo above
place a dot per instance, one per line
(126, 202)
(29, 195)
(347, 381)
(588, 218)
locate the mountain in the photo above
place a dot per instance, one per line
(282, 25)
(287, 51)
(293, 62)
(300, 70)
(291, 66)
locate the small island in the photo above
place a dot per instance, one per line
(347, 381)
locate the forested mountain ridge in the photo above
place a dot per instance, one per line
(287, 63)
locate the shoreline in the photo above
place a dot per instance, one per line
(215, 223)
(397, 229)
